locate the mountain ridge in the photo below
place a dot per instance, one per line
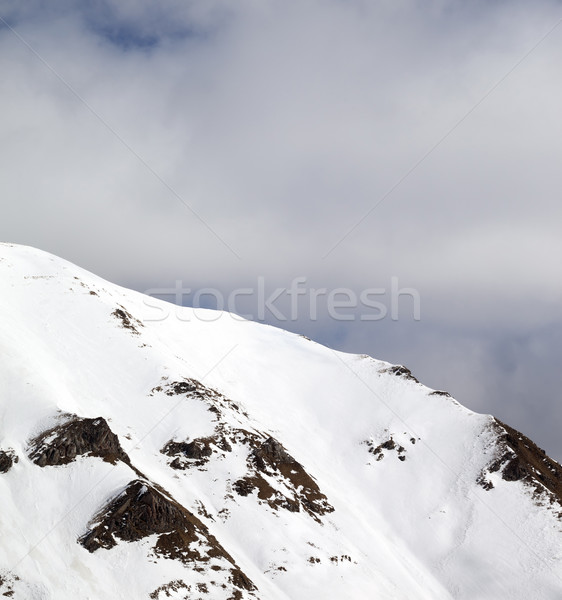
(316, 473)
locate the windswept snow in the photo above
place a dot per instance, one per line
(405, 513)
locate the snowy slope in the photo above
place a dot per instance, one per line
(204, 456)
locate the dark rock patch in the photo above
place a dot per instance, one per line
(62, 444)
(191, 388)
(388, 445)
(164, 590)
(266, 455)
(7, 583)
(238, 579)
(180, 387)
(269, 457)
(127, 320)
(140, 511)
(198, 449)
(440, 393)
(400, 371)
(520, 459)
(271, 454)
(188, 386)
(342, 558)
(266, 493)
(246, 485)
(7, 460)
(197, 452)
(484, 482)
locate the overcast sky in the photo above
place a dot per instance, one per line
(348, 142)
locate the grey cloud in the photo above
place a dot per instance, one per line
(280, 125)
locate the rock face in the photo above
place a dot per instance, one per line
(272, 454)
(520, 459)
(400, 371)
(265, 457)
(7, 459)
(197, 452)
(127, 320)
(269, 458)
(62, 444)
(388, 445)
(141, 511)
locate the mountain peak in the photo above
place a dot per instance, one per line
(184, 458)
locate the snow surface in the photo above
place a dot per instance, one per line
(418, 528)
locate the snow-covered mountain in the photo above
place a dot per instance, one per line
(207, 457)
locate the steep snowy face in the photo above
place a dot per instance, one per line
(205, 456)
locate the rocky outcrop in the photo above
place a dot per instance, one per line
(268, 457)
(168, 590)
(440, 393)
(271, 454)
(141, 511)
(7, 459)
(192, 388)
(265, 458)
(264, 455)
(7, 583)
(400, 371)
(519, 459)
(127, 320)
(195, 453)
(62, 444)
(388, 445)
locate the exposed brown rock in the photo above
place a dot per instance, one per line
(240, 580)
(164, 590)
(440, 393)
(246, 485)
(136, 513)
(271, 454)
(192, 388)
(7, 459)
(266, 456)
(520, 459)
(127, 320)
(269, 457)
(62, 444)
(180, 387)
(389, 444)
(197, 452)
(275, 499)
(400, 371)
(188, 386)
(141, 511)
(7, 582)
(197, 449)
